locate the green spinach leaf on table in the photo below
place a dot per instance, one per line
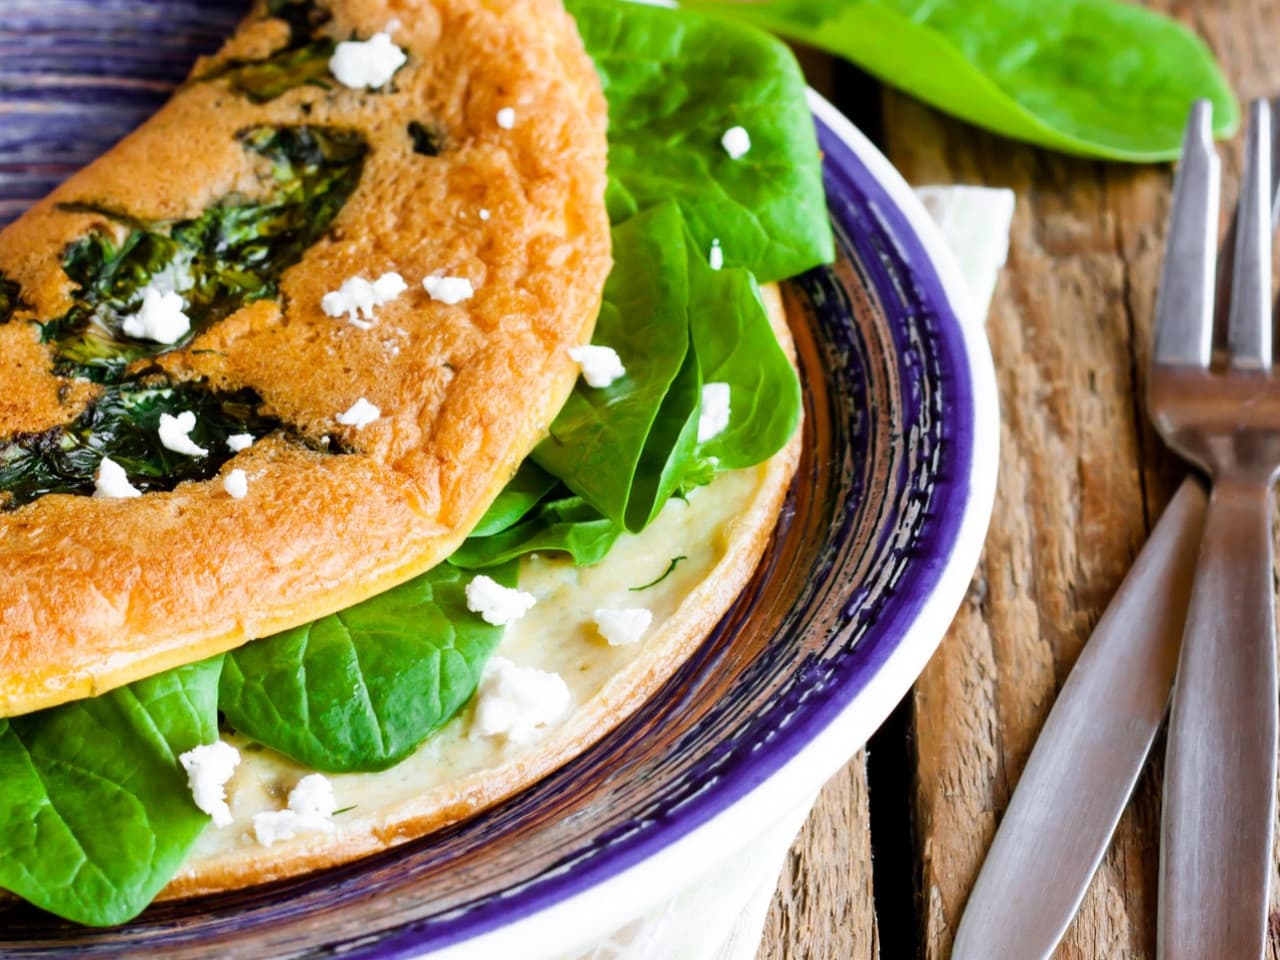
(675, 82)
(1094, 77)
(360, 689)
(95, 813)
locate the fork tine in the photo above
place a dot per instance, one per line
(1249, 322)
(1184, 304)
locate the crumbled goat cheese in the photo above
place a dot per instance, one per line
(485, 214)
(358, 298)
(361, 414)
(272, 825)
(518, 702)
(715, 411)
(173, 277)
(175, 434)
(601, 366)
(160, 318)
(506, 118)
(236, 483)
(354, 298)
(312, 797)
(450, 290)
(111, 482)
(716, 257)
(311, 807)
(623, 627)
(239, 441)
(387, 287)
(736, 142)
(371, 63)
(496, 604)
(209, 767)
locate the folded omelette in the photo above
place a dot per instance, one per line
(380, 424)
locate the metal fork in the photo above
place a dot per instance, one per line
(1220, 767)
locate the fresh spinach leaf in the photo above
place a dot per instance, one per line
(1093, 77)
(615, 446)
(568, 525)
(95, 814)
(231, 255)
(360, 689)
(676, 82)
(302, 61)
(122, 424)
(521, 494)
(736, 345)
(628, 448)
(670, 447)
(10, 297)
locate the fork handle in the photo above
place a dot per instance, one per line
(1220, 766)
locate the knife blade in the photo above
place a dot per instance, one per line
(1089, 755)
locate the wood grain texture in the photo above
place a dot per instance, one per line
(823, 907)
(1082, 479)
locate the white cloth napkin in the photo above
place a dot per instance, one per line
(721, 915)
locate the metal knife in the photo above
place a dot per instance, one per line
(1089, 755)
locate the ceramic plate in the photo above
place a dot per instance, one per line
(871, 559)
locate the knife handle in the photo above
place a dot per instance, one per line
(1220, 768)
(1089, 755)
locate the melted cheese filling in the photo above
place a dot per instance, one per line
(558, 635)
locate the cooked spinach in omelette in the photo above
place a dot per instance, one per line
(382, 422)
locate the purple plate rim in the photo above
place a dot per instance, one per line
(810, 749)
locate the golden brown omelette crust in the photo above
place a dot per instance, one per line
(96, 593)
(373, 830)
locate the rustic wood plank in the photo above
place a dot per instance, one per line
(1082, 478)
(823, 909)
(1069, 516)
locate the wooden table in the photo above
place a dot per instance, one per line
(1082, 480)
